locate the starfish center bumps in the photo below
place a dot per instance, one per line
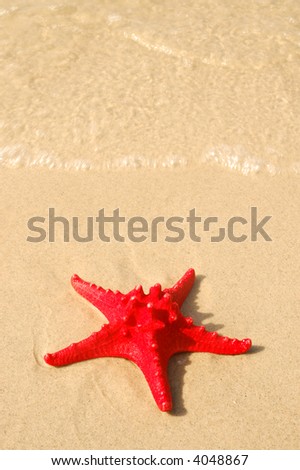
(147, 329)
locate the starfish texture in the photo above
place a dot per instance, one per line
(147, 329)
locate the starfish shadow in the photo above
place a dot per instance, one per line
(176, 371)
(178, 364)
(191, 307)
(255, 349)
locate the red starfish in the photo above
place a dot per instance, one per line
(147, 329)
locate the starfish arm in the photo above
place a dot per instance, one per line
(109, 341)
(182, 288)
(197, 339)
(108, 302)
(155, 371)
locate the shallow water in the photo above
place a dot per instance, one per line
(92, 85)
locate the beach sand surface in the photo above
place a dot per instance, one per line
(242, 290)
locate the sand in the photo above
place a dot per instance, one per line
(163, 122)
(243, 290)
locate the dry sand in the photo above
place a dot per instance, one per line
(248, 290)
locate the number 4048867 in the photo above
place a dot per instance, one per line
(221, 459)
